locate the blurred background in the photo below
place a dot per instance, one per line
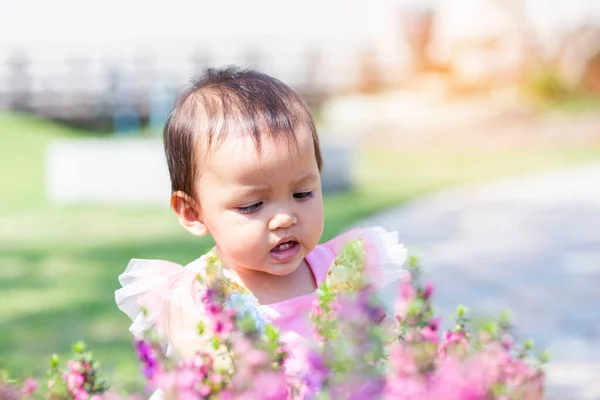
(413, 99)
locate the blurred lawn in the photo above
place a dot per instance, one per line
(59, 265)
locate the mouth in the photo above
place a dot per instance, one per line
(286, 249)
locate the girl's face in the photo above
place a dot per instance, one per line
(264, 209)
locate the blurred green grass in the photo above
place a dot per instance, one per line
(59, 265)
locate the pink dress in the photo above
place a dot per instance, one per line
(155, 286)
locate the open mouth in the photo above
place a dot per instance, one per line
(285, 251)
(285, 246)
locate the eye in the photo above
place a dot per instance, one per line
(251, 209)
(303, 196)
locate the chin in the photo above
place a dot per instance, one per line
(283, 269)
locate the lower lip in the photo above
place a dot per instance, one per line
(286, 255)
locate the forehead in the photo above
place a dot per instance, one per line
(238, 157)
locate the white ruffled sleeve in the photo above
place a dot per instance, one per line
(162, 296)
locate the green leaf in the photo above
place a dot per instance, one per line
(544, 357)
(505, 317)
(461, 310)
(271, 332)
(79, 347)
(492, 327)
(413, 261)
(246, 324)
(528, 344)
(54, 361)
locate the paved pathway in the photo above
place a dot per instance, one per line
(530, 245)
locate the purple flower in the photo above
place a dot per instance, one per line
(428, 290)
(317, 372)
(147, 357)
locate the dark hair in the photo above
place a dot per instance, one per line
(220, 99)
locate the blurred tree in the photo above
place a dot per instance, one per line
(572, 57)
(310, 87)
(19, 81)
(529, 50)
(417, 19)
(369, 75)
(78, 104)
(125, 115)
(577, 56)
(591, 75)
(144, 66)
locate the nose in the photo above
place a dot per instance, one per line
(282, 220)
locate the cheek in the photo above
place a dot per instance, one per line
(239, 239)
(313, 217)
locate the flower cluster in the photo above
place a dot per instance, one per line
(428, 364)
(79, 380)
(243, 359)
(357, 352)
(9, 390)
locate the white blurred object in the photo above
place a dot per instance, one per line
(405, 112)
(133, 171)
(109, 171)
(338, 163)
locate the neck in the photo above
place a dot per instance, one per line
(269, 288)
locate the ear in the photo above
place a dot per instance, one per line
(188, 213)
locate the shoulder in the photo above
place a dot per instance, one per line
(149, 286)
(198, 265)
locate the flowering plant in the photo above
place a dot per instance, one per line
(79, 380)
(357, 353)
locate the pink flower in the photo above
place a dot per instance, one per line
(80, 394)
(74, 366)
(429, 334)
(507, 341)
(271, 385)
(316, 308)
(256, 358)
(407, 291)
(185, 379)
(74, 380)
(216, 378)
(428, 290)
(204, 390)
(401, 307)
(164, 380)
(29, 386)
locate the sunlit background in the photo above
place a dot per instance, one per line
(411, 98)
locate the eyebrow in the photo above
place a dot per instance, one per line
(309, 176)
(249, 190)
